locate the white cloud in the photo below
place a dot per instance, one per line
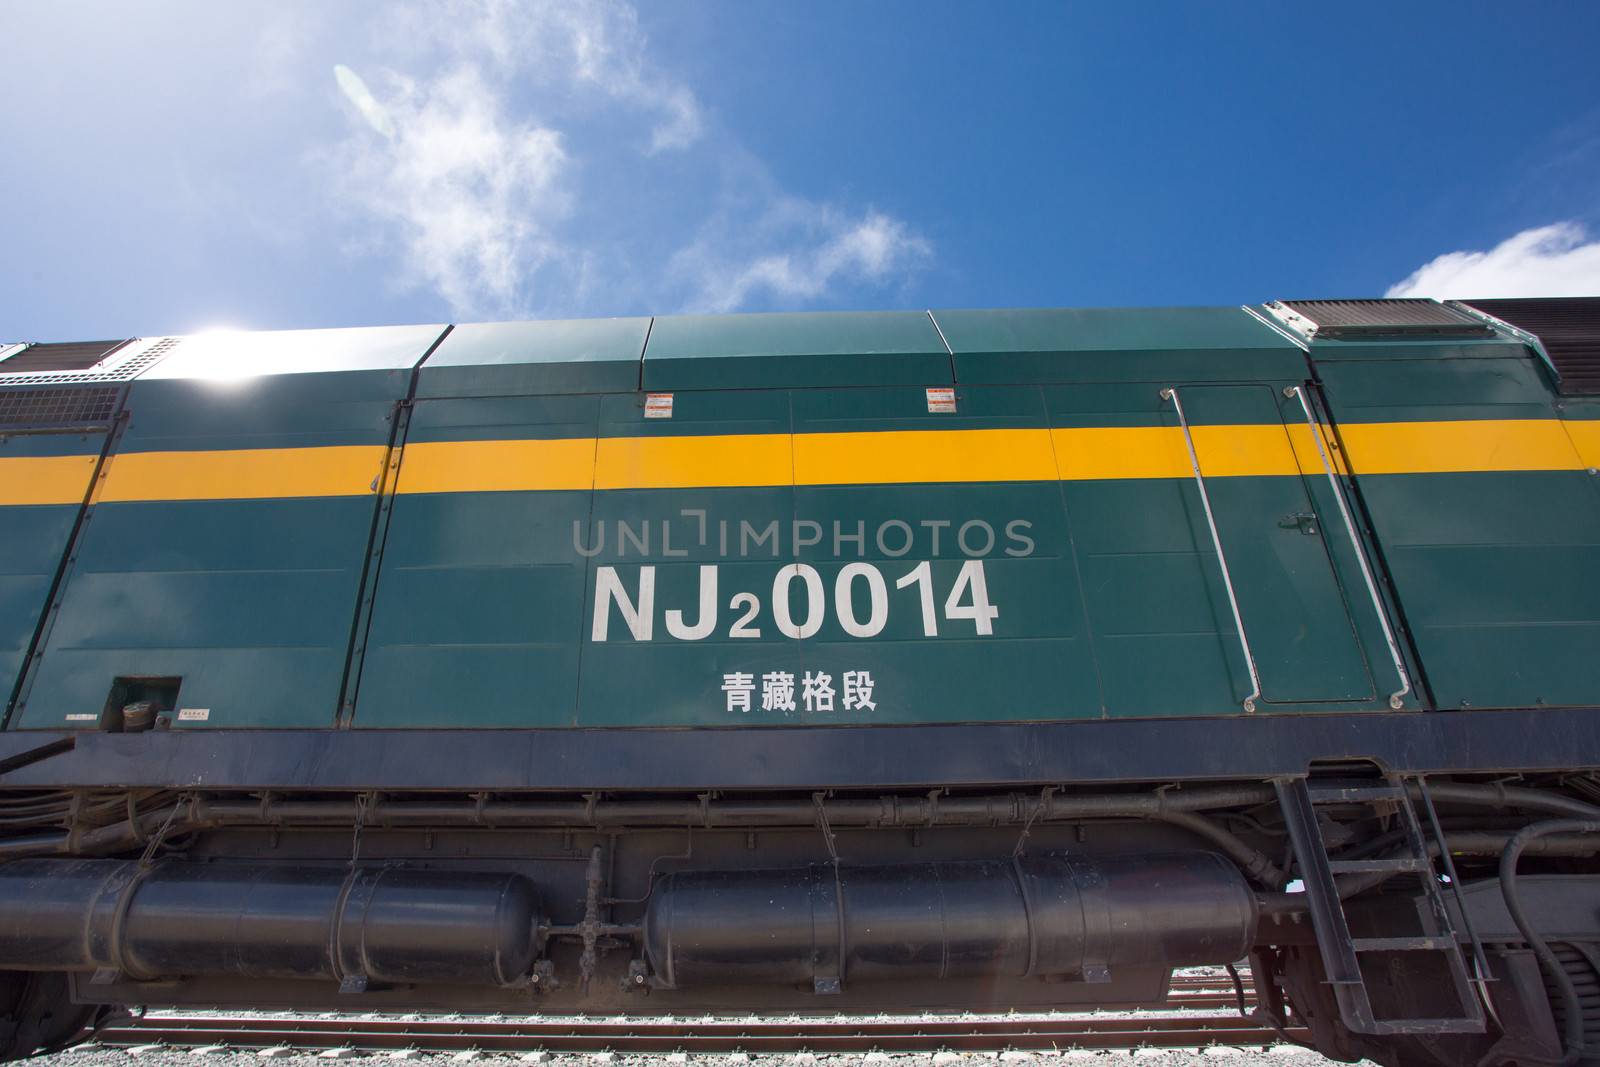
(356, 91)
(531, 157)
(1556, 260)
(472, 192)
(812, 248)
(594, 45)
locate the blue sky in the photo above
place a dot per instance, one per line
(178, 166)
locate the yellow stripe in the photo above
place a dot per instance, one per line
(684, 462)
(1585, 435)
(893, 457)
(923, 456)
(1438, 447)
(1090, 453)
(497, 466)
(243, 474)
(45, 479)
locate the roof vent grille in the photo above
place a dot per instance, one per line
(123, 362)
(63, 356)
(1359, 319)
(1567, 327)
(58, 407)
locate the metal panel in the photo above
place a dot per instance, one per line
(667, 680)
(47, 407)
(530, 358)
(991, 755)
(57, 356)
(1569, 330)
(230, 356)
(123, 363)
(480, 598)
(225, 545)
(775, 351)
(510, 510)
(1116, 345)
(1385, 318)
(37, 534)
(1495, 554)
(1152, 581)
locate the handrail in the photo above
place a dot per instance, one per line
(1216, 541)
(1397, 698)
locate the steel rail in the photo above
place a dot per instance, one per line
(729, 1035)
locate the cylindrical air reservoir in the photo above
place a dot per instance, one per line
(1049, 914)
(390, 925)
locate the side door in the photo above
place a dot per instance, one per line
(1270, 566)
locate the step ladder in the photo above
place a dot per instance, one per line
(1341, 953)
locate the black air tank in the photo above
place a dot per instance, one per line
(1050, 914)
(181, 918)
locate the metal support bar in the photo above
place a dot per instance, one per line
(1216, 541)
(1397, 698)
(1482, 973)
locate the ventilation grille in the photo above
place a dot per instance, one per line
(71, 355)
(1385, 318)
(1569, 329)
(130, 361)
(57, 407)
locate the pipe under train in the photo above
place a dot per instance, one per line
(1057, 915)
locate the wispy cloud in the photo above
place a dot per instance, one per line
(360, 97)
(472, 194)
(1556, 260)
(801, 250)
(534, 158)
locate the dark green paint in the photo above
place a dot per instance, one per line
(250, 602)
(1116, 345)
(482, 608)
(788, 350)
(520, 358)
(1498, 573)
(31, 547)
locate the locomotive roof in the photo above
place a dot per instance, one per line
(799, 349)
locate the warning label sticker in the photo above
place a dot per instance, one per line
(658, 405)
(942, 400)
(193, 714)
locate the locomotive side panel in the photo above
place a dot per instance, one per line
(797, 497)
(1487, 516)
(44, 478)
(219, 569)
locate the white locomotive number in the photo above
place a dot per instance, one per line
(966, 601)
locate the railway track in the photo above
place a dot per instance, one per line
(1161, 1028)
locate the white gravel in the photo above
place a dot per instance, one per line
(156, 1056)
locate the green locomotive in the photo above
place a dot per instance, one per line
(813, 662)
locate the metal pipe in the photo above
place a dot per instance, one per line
(1547, 958)
(1255, 864)
(1178, 807)
(1508, 796)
